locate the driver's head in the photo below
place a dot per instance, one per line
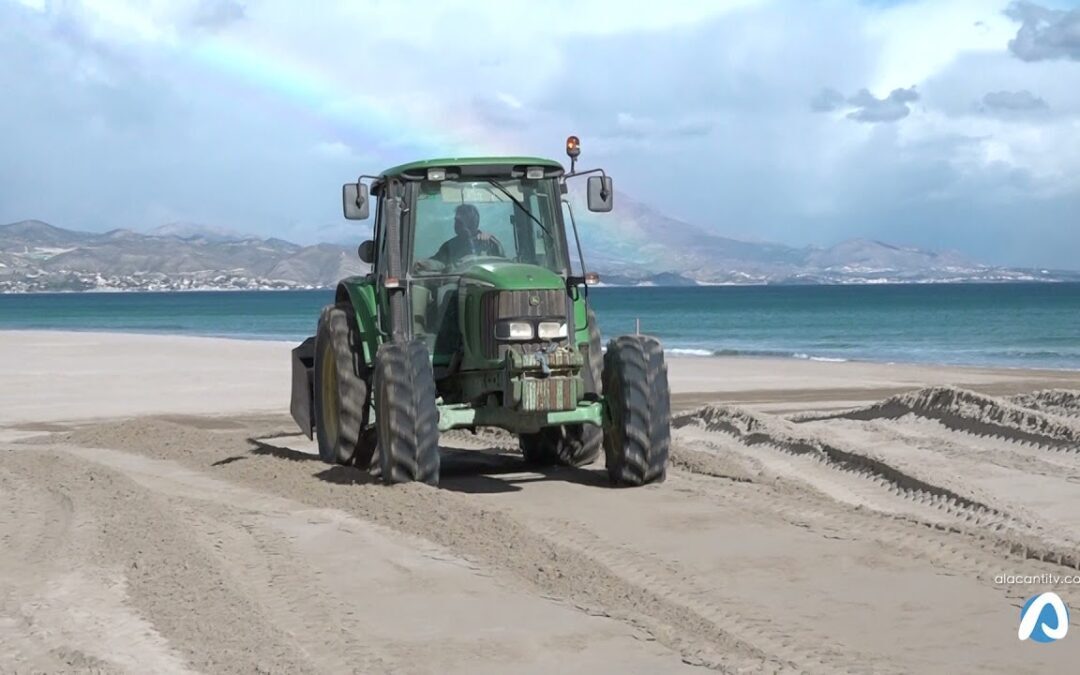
(466, 220)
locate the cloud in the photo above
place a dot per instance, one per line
(333, 150)
(867, 107)
(501, 111)
(827, 100)
(217, 14)
(872, 110)
(252, 119)
(1044, 33)
(636, 127)
(1012, 102)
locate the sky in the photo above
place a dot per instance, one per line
(942, 124)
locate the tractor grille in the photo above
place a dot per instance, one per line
(499, 305)
(552, 393)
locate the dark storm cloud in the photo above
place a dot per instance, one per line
(872, 109)
(1045, 33)
(1015, 102)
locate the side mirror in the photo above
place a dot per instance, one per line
(366, 251)
(354, 198)
(601, 194)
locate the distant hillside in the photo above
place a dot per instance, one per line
(632, 246)
(36, 256)
(635, 244)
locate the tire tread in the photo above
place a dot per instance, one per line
(407, 419)
(637, 437)
(337, 324)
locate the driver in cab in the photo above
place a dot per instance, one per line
(468, 239)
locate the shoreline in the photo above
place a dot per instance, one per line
(673, 353)
(50, 372)
(962, 282)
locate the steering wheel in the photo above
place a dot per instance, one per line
(428, 265)
(474, 258)
(500, 252)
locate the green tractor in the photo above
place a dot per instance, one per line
(472, 316)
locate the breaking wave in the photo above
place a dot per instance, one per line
(771, 353)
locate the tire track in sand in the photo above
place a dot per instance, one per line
(551, 567)
(577, 560)
(253, 536)
(967, 513)
(118, 591)
(972, 413)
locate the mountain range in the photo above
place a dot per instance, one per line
(36, 256)
(634, 246)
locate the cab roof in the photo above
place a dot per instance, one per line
(473, 165)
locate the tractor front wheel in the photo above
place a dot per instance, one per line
(341, 390)
(406, 419)
(637, 429)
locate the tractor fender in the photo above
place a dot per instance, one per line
(359, 293)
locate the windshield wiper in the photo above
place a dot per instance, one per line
(517, 203)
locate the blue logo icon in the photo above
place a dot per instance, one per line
(1044, 618)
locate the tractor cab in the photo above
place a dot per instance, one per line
(481, 240)
(476, 224)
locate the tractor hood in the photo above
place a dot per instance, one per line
(514, 276)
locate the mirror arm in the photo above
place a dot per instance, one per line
(571, 279)
(371, 179)
(575, 174)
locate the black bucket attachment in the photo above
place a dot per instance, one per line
(302, 405)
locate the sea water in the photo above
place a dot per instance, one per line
(1017, 325)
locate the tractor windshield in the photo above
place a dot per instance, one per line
(461, 223)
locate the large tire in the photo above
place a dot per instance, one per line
(406, 419)
(342, 394)
(637, 430)
(573, 444)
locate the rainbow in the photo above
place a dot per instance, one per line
(246, 68)
(249, 69)
(290, 85)
(340, 108)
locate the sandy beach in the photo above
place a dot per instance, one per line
(159, 512)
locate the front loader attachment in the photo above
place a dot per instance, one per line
(302, 405)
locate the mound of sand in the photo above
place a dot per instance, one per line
(972, 412)
(1064, 402)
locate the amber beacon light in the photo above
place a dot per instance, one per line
(573, 149)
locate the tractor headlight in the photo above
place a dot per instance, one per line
(550, 330)
(514, 330)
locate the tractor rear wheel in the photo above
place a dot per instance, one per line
(573, 444)
(342, 395)
(637, 429)
(406, 419)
